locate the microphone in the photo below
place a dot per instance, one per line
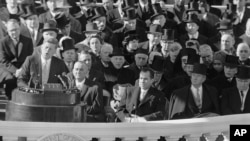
(69, 80)
(60, 78)
(31, 78)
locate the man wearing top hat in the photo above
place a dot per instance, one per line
(163, 18)
(14, 49)
(192, 28)
(142, 103)
(43, 68)
(65, 28)
(140, 61)
(227, 79)
(99, 17)
(130, 22)
(160, 82)
(154, 36)
(167, 39)
(91, 30)
(115, 15)
(68, 52)
(49, 31)
(224, 27)
(183, 79)
(195, 100)
(116, 73)
(31, 28)
(56, 7)
(236, 100)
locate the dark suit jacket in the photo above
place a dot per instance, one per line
(144, 15)
(231, 102)
(92, 95)
(145, 45)
(240, 28)
(220, 82)
(152, 107)
(182, 104)
(75, 24)
(32, 71)
(11, 60)
(112, 17)
(25, 32)
(97, 76)
(107, 35)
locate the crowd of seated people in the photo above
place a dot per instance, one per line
(152, 62)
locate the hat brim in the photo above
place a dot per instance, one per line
(191, 10)
(97, 16)
(223, 28)
(61, 51)
(231, 65)
(112, 55)
(91, 31)
(155, 15)
(50, 29)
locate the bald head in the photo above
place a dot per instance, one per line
(243, 51)
(80, 71)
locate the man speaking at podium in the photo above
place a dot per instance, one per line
(43, 68)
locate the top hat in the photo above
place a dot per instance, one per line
(231, 61)
(187, 52)
(158, 63)
(225, 25)
(200, 69)
(91, 28)
(130, 14)
(68, 44)
(193, 6)
(29, 10)
(129, 4)
(62, 4)
(141, 51)
(97, 13)
(50, 25)
(62, 20)
(168, 35)
(155, 28)
(157, 10)
(117, 52)
(243, 72)
(193, 59)
(192, 18)
(76, 11)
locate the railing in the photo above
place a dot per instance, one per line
(212, 129)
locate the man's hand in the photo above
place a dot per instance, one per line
(18, 72)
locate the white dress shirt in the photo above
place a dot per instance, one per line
(197, 94)
(79, 84)
(194, 36)
(45, 69)
(143, 94)
(241, 13)
(243, 98)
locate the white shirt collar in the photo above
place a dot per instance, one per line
(47, 61)
(194, 36)
(241, 13)
(244, 98)
(80, 84)
(143, 5)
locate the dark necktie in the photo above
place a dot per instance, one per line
(242, 100)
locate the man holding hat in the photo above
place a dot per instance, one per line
(38, 70)
(31, 28)
(195, 100)
(227, 79)
(154, 36)
(236, 100)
